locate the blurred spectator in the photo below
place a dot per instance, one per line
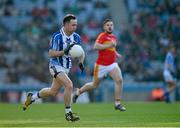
(26, 26)
(156, 94)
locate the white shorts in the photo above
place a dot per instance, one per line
(55, 69)
(101, 71)
(167, 76)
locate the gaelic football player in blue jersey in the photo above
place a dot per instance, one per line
(169, 72)
(60, 64)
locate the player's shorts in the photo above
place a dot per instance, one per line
(168, 77)
(101, 71)
(56, 69)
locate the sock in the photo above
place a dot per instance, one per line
(166, 94)
(117, 102)
(77, 91)
(68, 109)
(35, 96)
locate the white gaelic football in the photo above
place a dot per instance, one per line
(76, 51)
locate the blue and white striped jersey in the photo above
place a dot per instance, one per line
(169, 63)
(59, 42)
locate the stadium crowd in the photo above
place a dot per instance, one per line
(153, 27)
(26, 27)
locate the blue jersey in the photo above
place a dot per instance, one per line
(170, 62)
(59, 42)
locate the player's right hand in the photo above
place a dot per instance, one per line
(68, 48)
(114, 44)
(81, 66)
(111, 45)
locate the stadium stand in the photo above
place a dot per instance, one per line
(26, 27)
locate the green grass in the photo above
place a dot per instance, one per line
(138, 114)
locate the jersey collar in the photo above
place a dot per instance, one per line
(64, 34)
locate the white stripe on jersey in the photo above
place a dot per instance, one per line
(169, 62)
(54, 46)
(59, 42)
(66, 58)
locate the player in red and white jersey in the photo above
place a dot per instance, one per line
(106, 64)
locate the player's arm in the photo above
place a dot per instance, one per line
(81, 58)
(81, 62)
(99, 46)
(118, 55)
(168, 62)
(171, 70)
(99, 43)
(53, 53)
(53, 47)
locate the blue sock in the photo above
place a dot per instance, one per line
(166, 96)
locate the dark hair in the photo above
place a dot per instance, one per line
(68, 18)
(107, 20)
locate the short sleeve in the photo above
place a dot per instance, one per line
(53, 43)
(100, 38)
(77, 38)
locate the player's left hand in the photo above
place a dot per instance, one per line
(81, 66)
(68, 48)
(114, 43)
(119, 55)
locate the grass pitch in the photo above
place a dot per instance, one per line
(138, 114)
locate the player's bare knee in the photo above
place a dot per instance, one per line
(69, 85)
(53, 93)
(119, 81)
(94, 86)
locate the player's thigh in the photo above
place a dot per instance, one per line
(56, 85)
(171, 83)
(169, 78)
(115, 73)
(96, 81)
(97, 75)
(64, 79)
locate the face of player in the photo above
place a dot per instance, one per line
(71, 26)
(108, 27)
